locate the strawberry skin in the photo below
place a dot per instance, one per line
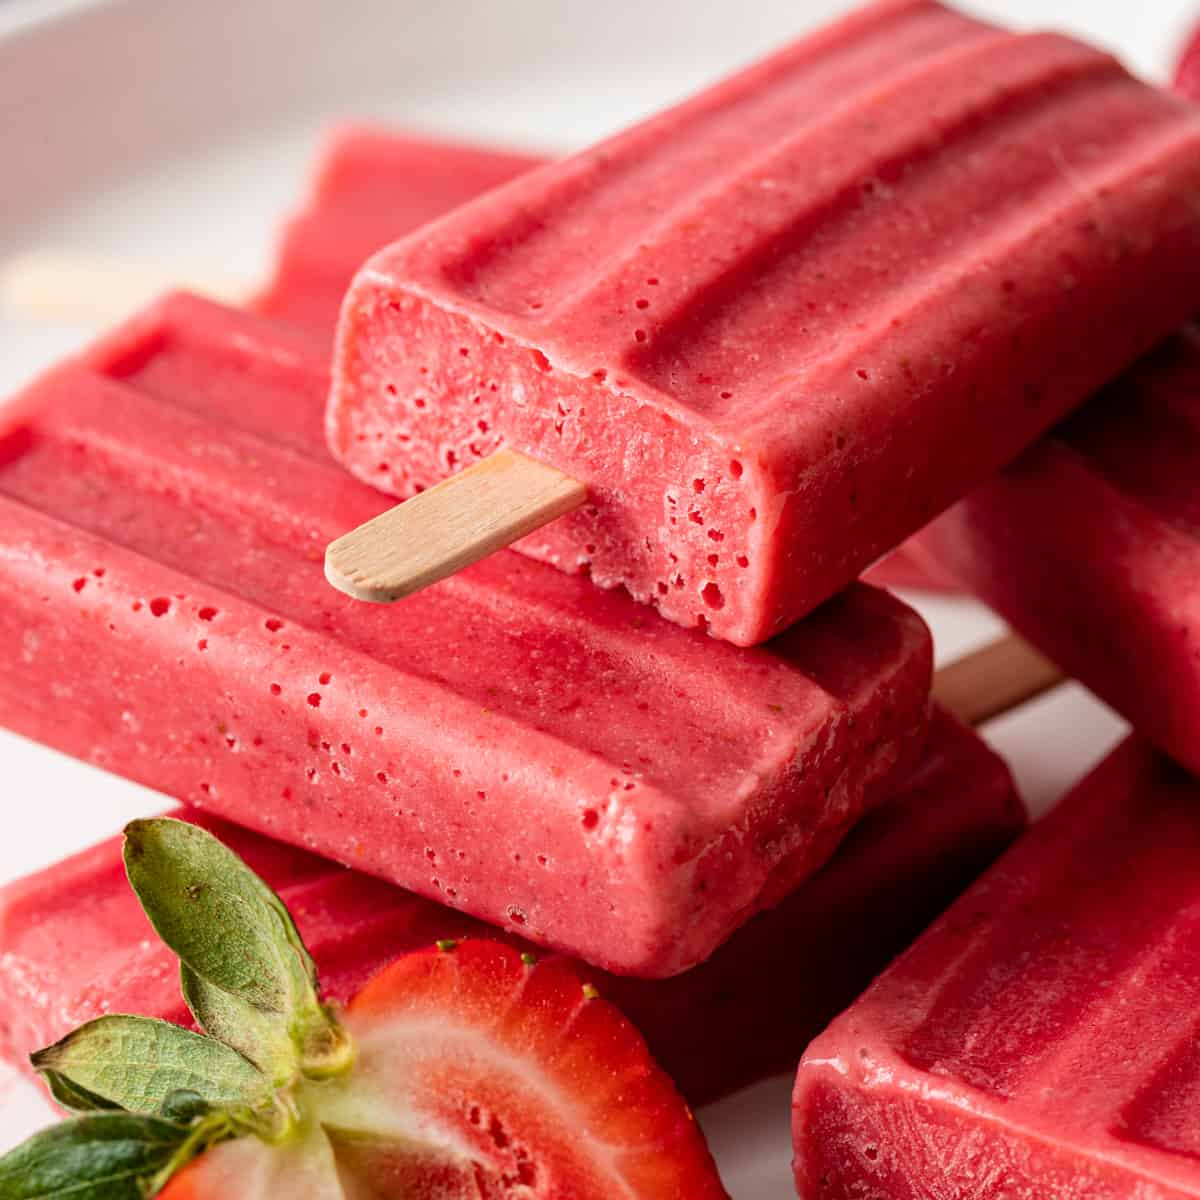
(479, 1075)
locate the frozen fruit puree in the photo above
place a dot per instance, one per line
(540, 753)
(74, 942)
(1089, 545)
(370, 186)
(1041, 1039)
(780, 327)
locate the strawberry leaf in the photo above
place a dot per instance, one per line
(134, 1062)
(255, 1034)
(229, 927)
(74, 1098)
(105, 1156)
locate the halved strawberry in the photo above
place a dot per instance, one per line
(478, 1075)
(469, 1071)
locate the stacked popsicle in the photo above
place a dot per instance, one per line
(170, 487)
(755, 342)
(544, 755)
(371, 186)
(773, 986)
(1040, 1039)
(172, 484)
(898, 289)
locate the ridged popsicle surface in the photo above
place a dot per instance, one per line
(778, 328)
(1041, 1039)
(516, 743)
(74, 944)
(372, 185)
(1090, 546)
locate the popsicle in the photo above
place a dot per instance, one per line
(1041, 1038)
(1089, 545)
(787, 322)
(73, 944)
(370, 186)
(544, 755)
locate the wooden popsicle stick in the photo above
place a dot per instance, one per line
(46, 285)
(457, 522)
(994, 680)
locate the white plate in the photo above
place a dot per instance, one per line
(175, 131)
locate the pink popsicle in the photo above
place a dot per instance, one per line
(1089, 545)
(911, 567)
(73, 942)
(1041, 1039)
(778, 328)
(370, 186)
(523, 746)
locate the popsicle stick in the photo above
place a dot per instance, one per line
(458, 522)
(46, 285)
(994, 680)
